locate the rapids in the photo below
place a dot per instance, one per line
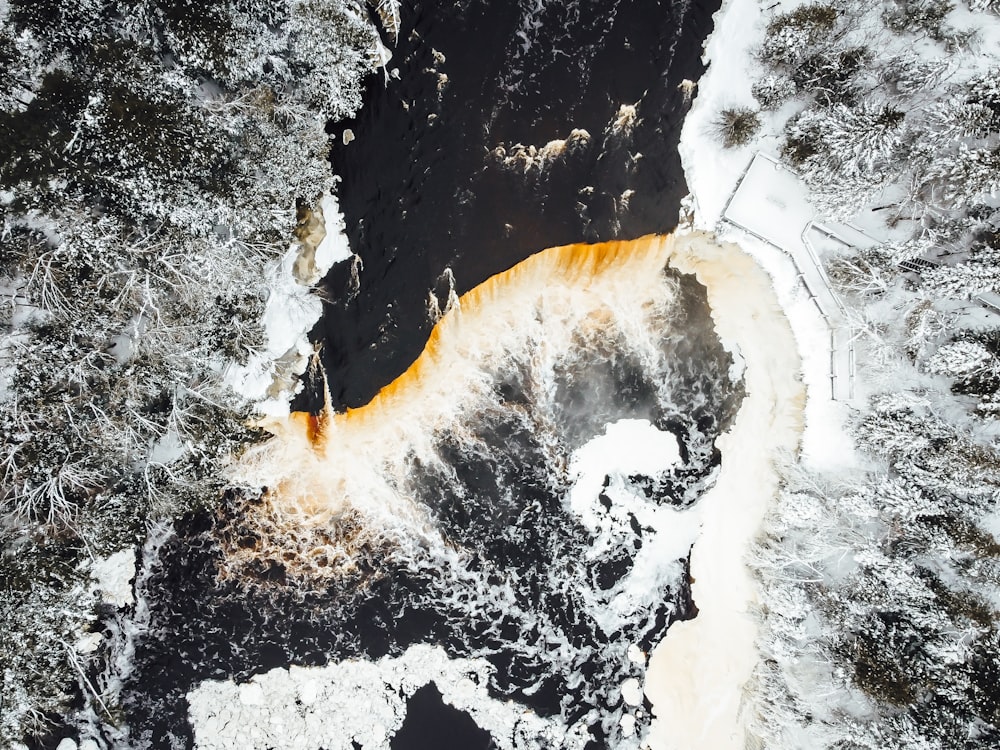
(526, 495)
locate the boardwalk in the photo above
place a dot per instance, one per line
(770, 203)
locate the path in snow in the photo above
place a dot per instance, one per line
(771, 203)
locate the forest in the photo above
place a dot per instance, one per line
(155, 160)
(879, 586)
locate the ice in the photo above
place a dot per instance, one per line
(335, 246)
(632, 692)
(352, 701)
(113, 577)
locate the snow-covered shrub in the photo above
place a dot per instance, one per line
(973, 362)
(978, 273)
(918, 16)
(985, 6)
(44, 606)
(868, 273)
(231, 41)
(735, 126)
(909, 74)
(61, 25)
(962, 178)
(831, 77)
(923, 326)
(971, 111)
(772, 90)
(789, 34)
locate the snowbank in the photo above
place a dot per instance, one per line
(713, 172)
(270, 378)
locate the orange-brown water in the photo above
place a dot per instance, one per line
(338, 482)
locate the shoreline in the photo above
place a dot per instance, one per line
(697, 687)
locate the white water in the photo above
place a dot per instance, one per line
(347, 476)
(698, 674)
(343, 483)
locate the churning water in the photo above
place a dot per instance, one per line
(494, 484)
(519, 496)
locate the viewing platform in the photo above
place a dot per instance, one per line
(770, 203)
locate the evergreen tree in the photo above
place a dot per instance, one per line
(978, 273)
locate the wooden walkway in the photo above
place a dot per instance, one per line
(770, 203)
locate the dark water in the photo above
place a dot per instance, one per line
(424, 190)
(431, 724)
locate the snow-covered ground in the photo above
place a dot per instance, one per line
(713, 172)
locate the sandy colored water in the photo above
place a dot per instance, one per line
(698, 674)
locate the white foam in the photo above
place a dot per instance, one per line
(527, 320)
(697, 674)
(628, 446)
(332, 707)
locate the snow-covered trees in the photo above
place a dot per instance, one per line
(791, 35)
(328, 75)
(877, 112)
(851, 141)
(889, 641)
(152, 155)
(971, 361)
(979, 272)
(878, 604)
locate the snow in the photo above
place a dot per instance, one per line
(113, 577)
(771, 202)
(270, 378)
(713, 173)
(334, 706)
